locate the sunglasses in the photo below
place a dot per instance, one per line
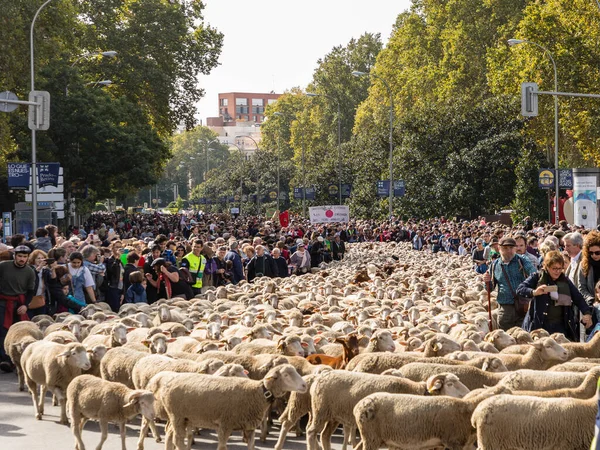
(595, 253)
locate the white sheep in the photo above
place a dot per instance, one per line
(52, 366)
(228, 404)
(117, 365)
(403, 421)
(117, 336)
(335, 393)
(508, 422)
(149, 366)
(19, 336)
(90, 397)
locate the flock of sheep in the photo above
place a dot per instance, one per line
(392, 344)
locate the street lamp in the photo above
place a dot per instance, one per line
(241, 136)
(207, 149)
(512, 43)
(339, 121)
(356, 73)
(278, 114)
(34, 212)
(100, 83)
(107, 54)
(241, 177)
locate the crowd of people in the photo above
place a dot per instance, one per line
(142, 258)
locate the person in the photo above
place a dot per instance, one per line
(76, 305)
(17, 287)
(479, 258)
(281, 263)
(522, 249)
(573, 245)
(114, 273)
(417, 241)
(168, 283)
(300, 260)
(588, 273)
(37, 261)
(234, 256)
(261, 265)
(136, 292)
(195, 263)
(507, 272)
(58, 298)
(220, 263)
(94, 261)
(81, 281)
(316, 250)
(130, 267)
(338, 248)
(554, 297)
(42, 240)
(492, 251)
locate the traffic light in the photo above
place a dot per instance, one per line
(529, 99)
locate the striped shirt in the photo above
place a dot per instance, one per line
(95, 269)
(515, 275)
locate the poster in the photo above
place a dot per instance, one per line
(329, 214)
(18, 175)
(584, 195)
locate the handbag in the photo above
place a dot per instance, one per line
(186, 276)
(521, 303)
(37, 302)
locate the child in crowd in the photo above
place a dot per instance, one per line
(136, 293)
(73, 299)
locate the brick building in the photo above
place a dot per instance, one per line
(237, 107)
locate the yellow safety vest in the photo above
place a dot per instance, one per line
(196, 268)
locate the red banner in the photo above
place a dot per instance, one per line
(284, 219)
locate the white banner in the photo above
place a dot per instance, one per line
(329, 214)
(584, 195)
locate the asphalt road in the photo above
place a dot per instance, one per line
(19, 430)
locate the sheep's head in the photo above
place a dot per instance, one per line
(446, 384)
(550, 349)
(75, 355)
(500, 339)
(284, 378)
(383, 341)
(97, 352)
(144, 401)
(291, 346)
(493, 364)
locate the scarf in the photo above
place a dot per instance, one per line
(564, 293)
(595, 266)
(11, 308)
(162, 277)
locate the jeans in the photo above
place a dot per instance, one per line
(508, 317)
(113, 298)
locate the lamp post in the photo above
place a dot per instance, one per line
(361, 74)
(339, 121)
(208, 148)
(241, 136)
(277, 113)
(34, 212)
(107, 54)
(512, 43)
(100, 83)
(241, 177)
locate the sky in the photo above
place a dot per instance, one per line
(274, 45)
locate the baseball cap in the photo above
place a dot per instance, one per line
(508, 242)
(22, 249)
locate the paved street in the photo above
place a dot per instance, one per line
(20, 431)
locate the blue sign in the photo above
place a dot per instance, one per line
(399, 188)
(209, 201)
(565, 178)
(48, 174)
(18, 175)
(346, 190)
(231, 199)
(298, 193)
(310, 193)
(546, 178)
(333, 190)
(202, 200)
(383, 188)
(223, 199)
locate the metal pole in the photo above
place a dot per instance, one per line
(278, 182)
(557, 187)
(339, 152)
(34, 212)
(391, 194)
(303, 180)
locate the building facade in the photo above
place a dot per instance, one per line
(241, 107)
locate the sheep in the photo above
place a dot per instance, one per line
(397, 420)
(52, 366)
(586, 389)
(228, 403)
(73, 326)
(61, 337)
(289, 345)
(257, 366)
(18, 337)
(381, 341)
(96, 354)
(500, 339)
(117, 365)
(90, 397)
(335, 393)
(573, 367)
(175, 329)
(157, 343)
(543, 354)
(166, 314)
(231, 370)
(149, 366)
(590, 349)
(471, 377)
(117, 336)
(535, 380)
(507, 422)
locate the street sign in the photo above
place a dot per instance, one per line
(565, 178)
(8, 107)
(310, 193)
(346, 190)
(529, 99)
(298, 193)
(399, 188)
(39, 115)
(19, 175)
(546, 178)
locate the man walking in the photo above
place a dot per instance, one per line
(507, 272)
(17, 285)
(195, 262)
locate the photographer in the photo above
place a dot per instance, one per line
(554, 297)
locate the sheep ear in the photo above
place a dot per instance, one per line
(65, 353)
(304, 344)
(537, 344)
(133, 399)
(317, 339)
(437, 347)
(485, 366)
(171, 340)
(131, 329)
(146, 342)
(65, 327)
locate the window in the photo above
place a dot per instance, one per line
(258, 106)
(257, 102)
(224, 102)
(271, 101)
(241, 106)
